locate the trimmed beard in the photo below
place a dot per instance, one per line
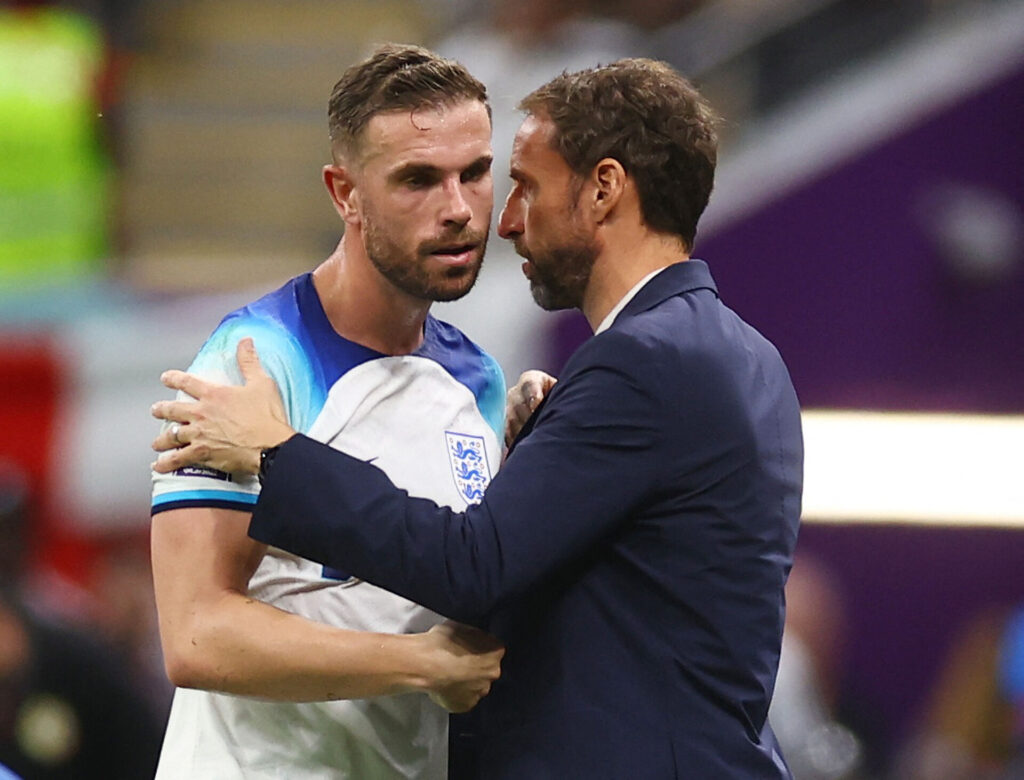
(561, 278)
(410, 274)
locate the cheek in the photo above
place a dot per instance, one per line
(399, 231)
(534, 222)
(484, 187)
(482, 202)
(409, 216)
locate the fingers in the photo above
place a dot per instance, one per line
(175, 459)
(249, 361)
(520, 412)
(473, 663)
(167, 440)
(512, 429)
(530, 392)
(534, 386)
(480, 642)
(189, 383)
(463, 702)
(527, 394)
(473, 639)
(174, 411)
(462, 697)
(467, 700)
(522, 400)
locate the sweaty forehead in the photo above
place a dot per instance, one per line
(431, 133)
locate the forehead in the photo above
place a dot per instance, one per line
(532, 151)
(444, 136)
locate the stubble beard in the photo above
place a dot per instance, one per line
(560, 275)
(411, 274)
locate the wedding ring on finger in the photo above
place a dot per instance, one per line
(175, 428)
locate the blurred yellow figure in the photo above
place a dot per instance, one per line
(53, 169)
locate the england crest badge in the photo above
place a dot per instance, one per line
(468, 457)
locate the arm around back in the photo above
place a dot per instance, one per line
(216, 637)
(573, 480)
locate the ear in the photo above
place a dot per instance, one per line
(343, 192)
(608, 180)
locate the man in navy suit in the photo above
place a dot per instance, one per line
(632, 551)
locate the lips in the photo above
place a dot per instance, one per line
(458, 254)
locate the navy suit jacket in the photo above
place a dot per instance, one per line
(631, 553)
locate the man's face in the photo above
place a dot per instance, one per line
(542, 218)
(425, 194)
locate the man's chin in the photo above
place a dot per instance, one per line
(455, 286)
(547, 299)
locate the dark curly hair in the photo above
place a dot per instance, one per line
(648, 117)
(395, 78)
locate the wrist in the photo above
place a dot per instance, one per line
(265, 461)
(281, 433)
(422, 674)
(265, 456)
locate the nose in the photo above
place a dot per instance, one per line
(510, 223)
(457, 210)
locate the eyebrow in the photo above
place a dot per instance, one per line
(412, 169)
(480, 165)
(517, 175)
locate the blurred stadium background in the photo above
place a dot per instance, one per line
(159, 165)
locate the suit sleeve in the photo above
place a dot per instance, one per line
(578, 476)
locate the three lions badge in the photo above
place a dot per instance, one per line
(468, 458)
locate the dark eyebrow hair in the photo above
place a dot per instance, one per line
(480, 164)
(518, 175)
(408, 170)
(413, 169)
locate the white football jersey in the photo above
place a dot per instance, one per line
(432, 421)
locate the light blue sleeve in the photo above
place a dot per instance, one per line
(284, 360)
(281, 356)
(491, 398)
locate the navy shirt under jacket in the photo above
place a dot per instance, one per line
(631, 553)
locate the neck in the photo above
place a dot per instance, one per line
(625, 259)
(363, 306)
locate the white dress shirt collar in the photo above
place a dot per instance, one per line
(610, 317)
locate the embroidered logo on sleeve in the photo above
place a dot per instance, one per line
(202, 471)
(468, 457)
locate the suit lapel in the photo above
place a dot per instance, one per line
(674, 280)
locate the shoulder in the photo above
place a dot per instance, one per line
(461, 356)
(695, 328)
(627, 350)
(612, 370)
(469, 365)
(271, 322)
(275, 315)
(451, 337)
(697, 353)
(670, 353)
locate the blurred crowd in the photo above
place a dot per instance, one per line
(66, 78)
(82, 688)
